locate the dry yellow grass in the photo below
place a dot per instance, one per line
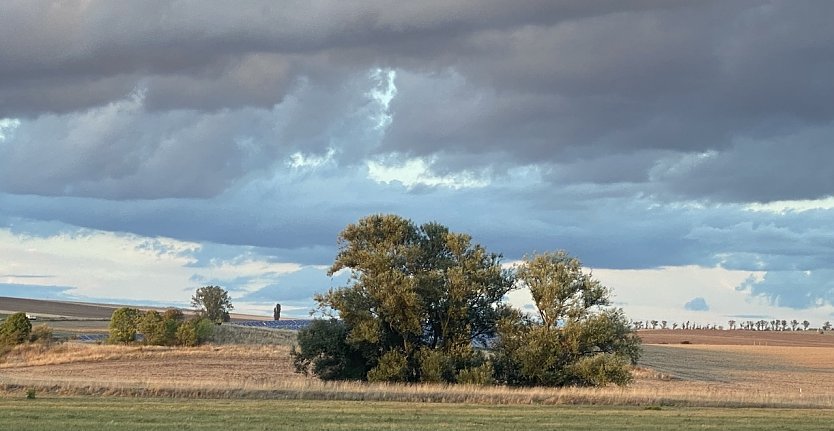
(674, 375)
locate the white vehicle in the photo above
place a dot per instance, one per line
(31, 317)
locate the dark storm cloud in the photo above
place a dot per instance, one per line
(630, 133)
(481, 85)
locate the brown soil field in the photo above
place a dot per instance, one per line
(40, 308)
(737, 337)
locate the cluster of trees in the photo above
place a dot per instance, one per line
(170, 328)
(425, 304)
(17, 329)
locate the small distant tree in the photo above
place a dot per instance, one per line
(805, 324)
(276, 312)
(213, 303)
(124, 325)
(654, 324)
(732, 324)
(16, 329)
(675, 325)
(663, 324)
(826, 326)
(794, 324)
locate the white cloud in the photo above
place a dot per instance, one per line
(783, 207)
(7, 125)
(96, 265)
(415, 172)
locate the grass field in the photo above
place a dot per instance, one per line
(165, 414)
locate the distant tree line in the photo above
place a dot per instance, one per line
(750, 325)
(425, 304)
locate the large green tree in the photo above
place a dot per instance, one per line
(213, 303)
(418, 298)
(575, 337)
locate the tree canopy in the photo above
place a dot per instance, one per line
(576, 339)
(213, 302)
(426, 304)
(415, 289)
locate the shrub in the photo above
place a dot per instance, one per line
(323, 351)
(600, 370)
(480, 375)
(203, 328)
(392, 367)
(173, 314)
(16, 329)
(435, 367)
(41, 334)
(123, 325)
(152, 327)
(187, 335)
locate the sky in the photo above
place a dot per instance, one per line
(682, 150)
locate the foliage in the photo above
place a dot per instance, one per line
(480, 375)
(15, 329)
(575, 339)
(324, 352)
(123, 325)
(166, 329)
(153, 328)
(194, 332)
(420, 299)
(213, 302)
(435, 367)
(41, 334)
(414, 288)
(187, 335)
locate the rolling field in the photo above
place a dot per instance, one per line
(680, 375)
(716, 380)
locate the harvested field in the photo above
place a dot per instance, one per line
(737, 337)
(726, 376)
(210, 367)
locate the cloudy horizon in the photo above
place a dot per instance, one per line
(681, 150)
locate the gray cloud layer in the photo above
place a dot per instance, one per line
(481, 85)
(644, 126)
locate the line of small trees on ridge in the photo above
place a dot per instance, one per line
(750, 325)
